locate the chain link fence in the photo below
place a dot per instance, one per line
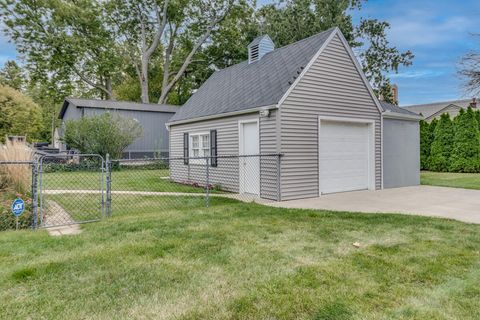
(69, 189)
(172, 182)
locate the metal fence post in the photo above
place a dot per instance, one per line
(108, 168)
(35, 193)
(279, 191)
(207, 186)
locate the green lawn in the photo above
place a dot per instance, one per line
(131, 180)
(448, 179)
(242, 261)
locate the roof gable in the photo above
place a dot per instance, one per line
(246, 86)
(338, 37)
(429, 109)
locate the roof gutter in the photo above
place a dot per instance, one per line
(221, 115)
(401, 116)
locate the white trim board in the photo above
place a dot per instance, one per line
(221, 115)
(241, 187)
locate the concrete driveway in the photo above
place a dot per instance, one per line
(452, 203)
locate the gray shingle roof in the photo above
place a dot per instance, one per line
(430, 109)
(245, 86)
(117, 105)
(388, 107)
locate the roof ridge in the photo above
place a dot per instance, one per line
(438, 102)
(279, 49)
(122, 101)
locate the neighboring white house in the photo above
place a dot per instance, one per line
(308, 101)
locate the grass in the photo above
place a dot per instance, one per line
(243, 261)
(448, 179)
(131, 180)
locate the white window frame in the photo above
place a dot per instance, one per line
(201, 148)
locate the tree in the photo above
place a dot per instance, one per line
(469, 71)
(426, 138)
(13, 76)
(442, 144)
(102, 134)
(66, 40)
(290, 21)
(177, 28)
(20, 115)
(477, 117)
(465, 155)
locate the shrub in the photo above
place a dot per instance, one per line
(7, 219)
(466, 143)
(426, 138)
(15, 177)
(20, 115)
(442, 144)
(102, 134)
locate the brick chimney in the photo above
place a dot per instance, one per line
(473, 104)
(395, 93)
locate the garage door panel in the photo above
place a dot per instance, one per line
(343, 156)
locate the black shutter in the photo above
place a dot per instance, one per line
(213, 148)
(185, 148)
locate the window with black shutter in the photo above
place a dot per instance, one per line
(213, 148)
(185, 148)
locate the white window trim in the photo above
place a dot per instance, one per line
(200, 147)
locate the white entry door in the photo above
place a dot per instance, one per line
(249, 166)
(344, 156)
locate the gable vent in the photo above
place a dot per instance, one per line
(259, 47)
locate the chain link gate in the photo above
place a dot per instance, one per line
(71, 189)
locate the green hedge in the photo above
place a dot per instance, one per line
(451, 146)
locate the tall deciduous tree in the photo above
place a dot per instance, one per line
(290, 21)
(175, 28)
(470, 71)
(442, 144)
(13, 76)
(466, 143)
(62, 39)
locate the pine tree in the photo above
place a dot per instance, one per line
(442, 144)
(477, 116)
(426, 138)
(466, 143)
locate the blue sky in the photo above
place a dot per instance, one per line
(437, 32)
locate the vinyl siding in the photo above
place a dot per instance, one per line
(332, 87)
(401, 153)
(269, 182)
(226, 174)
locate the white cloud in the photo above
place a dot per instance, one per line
(417, 74)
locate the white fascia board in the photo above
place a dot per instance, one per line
(401, 116)
(221, 115)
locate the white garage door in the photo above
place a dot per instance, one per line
(344, 156)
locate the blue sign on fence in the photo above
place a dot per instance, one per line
(18, 206)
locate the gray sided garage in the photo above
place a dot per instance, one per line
(308, 101)
(401, 147)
